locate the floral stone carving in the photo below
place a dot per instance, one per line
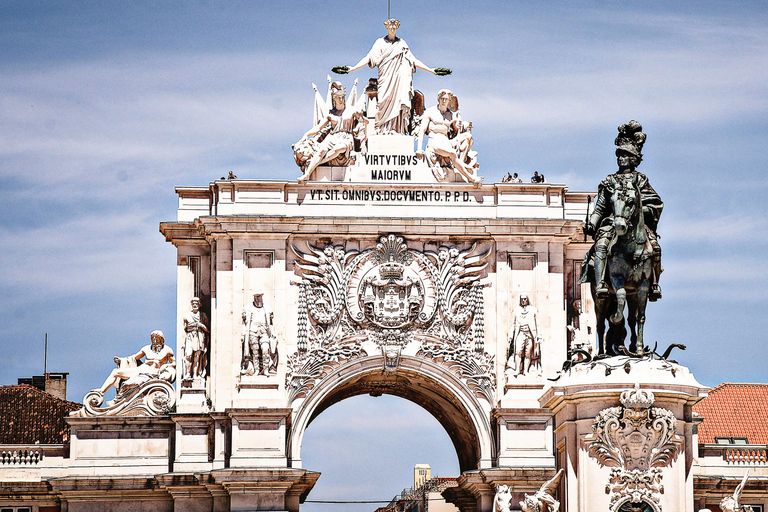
(390, 300)
(636, 440)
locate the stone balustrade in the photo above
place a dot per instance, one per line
(19, 456)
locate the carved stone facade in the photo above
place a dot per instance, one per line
(391, 300)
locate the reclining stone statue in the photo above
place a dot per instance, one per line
(142, 388)
(543, 500)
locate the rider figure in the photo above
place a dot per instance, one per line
(629, 144)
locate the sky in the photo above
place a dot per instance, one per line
(105, 107)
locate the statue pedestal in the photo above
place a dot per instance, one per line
(259, 437)
(192, 443)
(620, 444)
(116, 446)
(275, 489)
(192, 399)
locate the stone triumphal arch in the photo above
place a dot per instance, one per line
(387, 266)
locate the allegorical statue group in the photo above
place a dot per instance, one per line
(340, 125)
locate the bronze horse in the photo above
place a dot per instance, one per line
(628, 270)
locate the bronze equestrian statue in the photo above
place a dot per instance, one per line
(624, 264)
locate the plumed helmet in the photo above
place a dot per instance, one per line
(630, 139)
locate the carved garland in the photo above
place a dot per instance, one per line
(636, 441)
(394, 297)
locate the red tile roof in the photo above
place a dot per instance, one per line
(29, 415)
(734, 410)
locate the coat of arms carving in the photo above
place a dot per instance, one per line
(390, 299)
(636, 440)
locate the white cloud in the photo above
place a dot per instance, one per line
(723, 229)
(79, 121)
(108, 252)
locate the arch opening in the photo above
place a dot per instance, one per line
(367, 448)
(427, 384)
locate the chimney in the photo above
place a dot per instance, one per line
(56, 384)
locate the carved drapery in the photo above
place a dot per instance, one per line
(391, 300)
(636, 440)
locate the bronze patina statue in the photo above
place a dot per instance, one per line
(624, 263)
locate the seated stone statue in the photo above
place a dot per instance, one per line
(333, 139)
(450, 139)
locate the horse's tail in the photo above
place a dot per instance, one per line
(587, 268)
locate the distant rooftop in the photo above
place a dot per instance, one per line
(31, 416)
(733, 413)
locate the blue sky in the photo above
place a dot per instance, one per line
(105, 107)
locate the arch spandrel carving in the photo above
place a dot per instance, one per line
(393, 301)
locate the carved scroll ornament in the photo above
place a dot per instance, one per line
(636, 441)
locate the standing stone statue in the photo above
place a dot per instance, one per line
(581, 330)
(450, 139)
(629, 144)
(396, 65)
(258, 341)
(523, 338)
(195, 343)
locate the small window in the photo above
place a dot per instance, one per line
(757, 508)
(731, 440)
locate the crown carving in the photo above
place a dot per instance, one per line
(391, 271)
(637, 398)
